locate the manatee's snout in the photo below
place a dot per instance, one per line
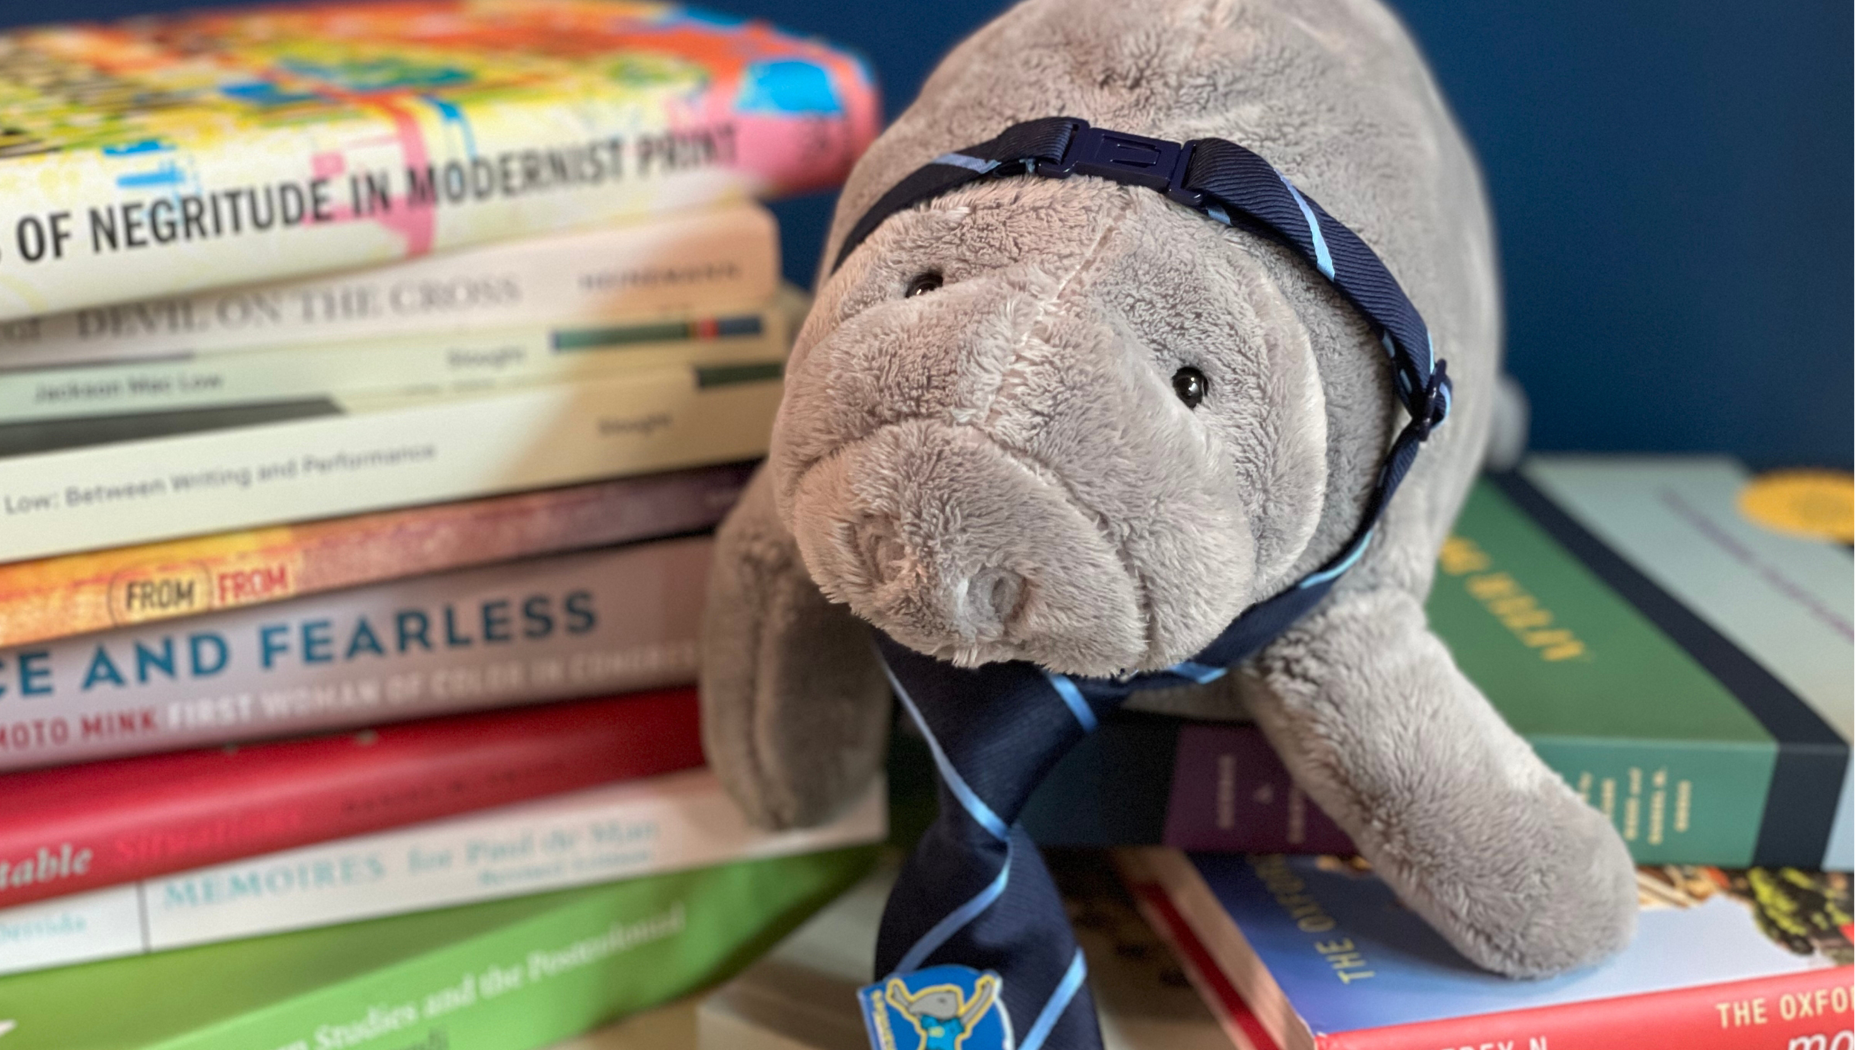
(980, 604)
(959, 548)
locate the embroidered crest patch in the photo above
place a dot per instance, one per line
(939, 1008)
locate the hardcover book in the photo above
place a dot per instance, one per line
(677, 264)
(1706, 711)
(80, 593)
(72, 828)
(174, 153)
(615, 831)
(245, 466)
(1326, 957)
(77, 399)
(590, 624)
(507, 975)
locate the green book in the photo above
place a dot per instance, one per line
(509, 975)
(1623, 690)
(1685, 670)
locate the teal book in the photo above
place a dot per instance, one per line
(509, 975)
(1686, 671)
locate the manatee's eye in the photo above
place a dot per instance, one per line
(922, 284)
(1190, 384)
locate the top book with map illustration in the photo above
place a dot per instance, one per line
(169, 154)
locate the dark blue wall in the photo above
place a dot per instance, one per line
(1672, 184)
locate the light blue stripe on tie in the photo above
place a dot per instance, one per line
(1074, 697)
(1059, 1001)
(956, 919)
(1346, 563)
(1219, 213)
(1323, 261)
(961, 160)
(1430, 351)
(975, 808)
(1200, 673)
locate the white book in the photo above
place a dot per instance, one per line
(674, 263)
(619, 831)
(421, 365)
(379, 452)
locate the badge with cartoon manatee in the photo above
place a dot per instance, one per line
(939, 1008)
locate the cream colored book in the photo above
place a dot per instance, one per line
(426, 364)
(683, 264)
(377, 452)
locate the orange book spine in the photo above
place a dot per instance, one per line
(75, 594)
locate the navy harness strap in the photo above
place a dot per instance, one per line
(974, 893)
(1235, 186)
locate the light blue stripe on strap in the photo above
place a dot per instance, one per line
(1323, 261)
(961, 160)
(1200, 673)
(1074, 697)
(1346, 563)
(956, 919)
(975, 807)
(1059, 1001)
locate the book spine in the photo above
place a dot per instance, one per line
(396, 180)
(103, 823)
(1797, 1011)
(679, 263)
(606, 621)
(621, 831)
(475, 362)
(1674, 802)
(1234, 1015)
(1232, 794)
(81, 593)
(404, 453)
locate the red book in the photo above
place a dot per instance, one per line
(80, 827)
(1722, 961)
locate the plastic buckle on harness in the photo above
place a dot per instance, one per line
(1436, 404)
(1135, 160)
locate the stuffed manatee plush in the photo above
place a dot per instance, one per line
(983, 452)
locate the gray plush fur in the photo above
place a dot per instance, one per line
(1000, 470)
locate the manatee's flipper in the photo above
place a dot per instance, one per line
(794, 703)
(1452, 808)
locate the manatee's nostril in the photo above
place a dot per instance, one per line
(989, 601)
(883, 555)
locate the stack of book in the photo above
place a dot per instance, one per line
(1686, 670)
(370, 378)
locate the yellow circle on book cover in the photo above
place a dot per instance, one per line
(1817, 503)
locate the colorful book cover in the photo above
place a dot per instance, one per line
(174, 153)
(1696, 750)
(1326, 957)
(246, 466)
(686, 262)
(73, 828)
(574, 625)
(615, 831)
(81, 593)
(507, 975)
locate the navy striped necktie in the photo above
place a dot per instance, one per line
(974, 898)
